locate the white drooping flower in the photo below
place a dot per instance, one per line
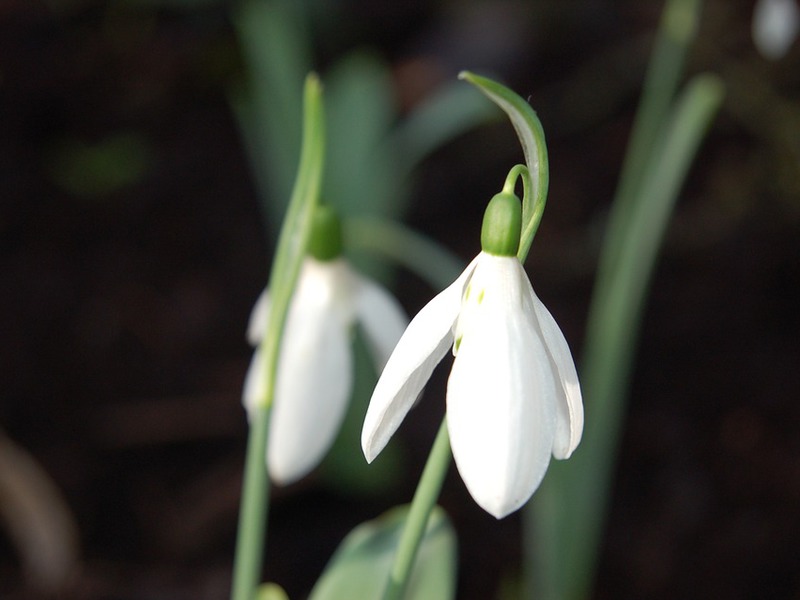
(775, 26)
(513, 397)
(315, 366)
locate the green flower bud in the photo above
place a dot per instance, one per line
(502, 225)
(326, 234)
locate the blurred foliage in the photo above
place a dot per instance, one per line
(95, 170)
(360, 566)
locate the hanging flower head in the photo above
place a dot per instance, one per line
(513, 397)
(315, 368)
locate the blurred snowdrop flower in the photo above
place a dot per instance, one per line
(513, 397)
(775, 26)
(315, 367)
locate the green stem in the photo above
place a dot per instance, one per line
(253, 511)
(424, 257)
(430, 484)
(292, 244)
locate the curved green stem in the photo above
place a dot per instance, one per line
(532, 207)
(430, 484)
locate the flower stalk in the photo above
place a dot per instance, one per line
(428, 490)
(251, 536)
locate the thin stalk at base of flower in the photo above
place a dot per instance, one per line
(428, 489)
(253, 512)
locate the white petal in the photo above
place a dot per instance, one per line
(569, 428)
(310, 403)
(419, 350)
(253, 391)
(258, 318)
(775, 26)
(382, 318)
(314, 378)
(501, 392)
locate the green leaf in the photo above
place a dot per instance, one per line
(97, 170)
(570, 506)
(531, 137)
(449, 112)
(360, 566)
(360, 177)
(276, 51)
(344, 468)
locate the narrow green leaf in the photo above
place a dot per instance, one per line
(360, 177)
(429, 260)
(360, 566)
(449, 112)
(569, 508)
(676, 31)
(276, 51)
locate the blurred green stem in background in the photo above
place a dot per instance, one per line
(564, 522)
(292, 243)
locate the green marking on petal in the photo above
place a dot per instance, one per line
(457, 344)
(466, 294)
(481, 295)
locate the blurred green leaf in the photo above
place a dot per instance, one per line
(345, 469)
(449, 112)
(361, 177)
(360, 566)
(275, 47)
(98, 169)
(570, 506)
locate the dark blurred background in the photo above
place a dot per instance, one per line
(132, 247)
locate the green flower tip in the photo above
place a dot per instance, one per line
(502, 225)
(326, 234)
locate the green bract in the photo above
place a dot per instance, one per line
(502, 225)
(325, 242)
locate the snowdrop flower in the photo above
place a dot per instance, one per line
(775, 26)
(315, 367)
(513, 397)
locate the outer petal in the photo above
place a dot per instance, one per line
(258, 318)
(314, 378)
(419, 350)
(501, 393)
(382, 318)
(569, 428)
(313, 389)
(314, 374)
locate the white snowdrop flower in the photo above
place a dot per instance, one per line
(513, 397)
(775, 26)
(315, 367)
